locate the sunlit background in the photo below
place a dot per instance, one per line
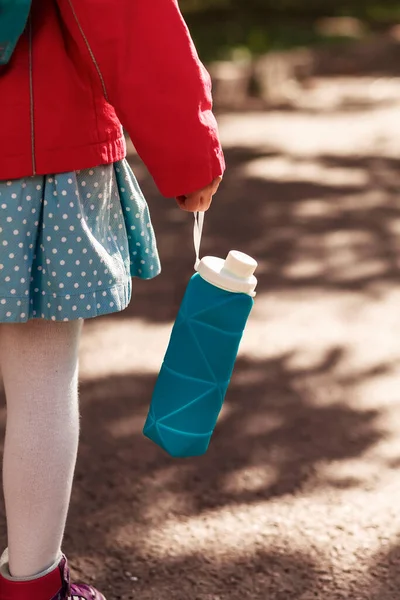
(299, 495)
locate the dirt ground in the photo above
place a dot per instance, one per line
(299, 494)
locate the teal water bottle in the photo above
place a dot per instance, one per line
(13, 18)
(202, 351)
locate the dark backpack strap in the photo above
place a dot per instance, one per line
(13, 18)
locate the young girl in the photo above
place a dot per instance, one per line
(74, 228)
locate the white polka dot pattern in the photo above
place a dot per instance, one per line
(70, 243)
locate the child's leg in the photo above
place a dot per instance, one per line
(39, 361)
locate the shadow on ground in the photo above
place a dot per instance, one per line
(384, 574)
(270, 443)
(334, 226)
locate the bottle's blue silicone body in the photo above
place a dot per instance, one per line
(197, 368)
(13, 18)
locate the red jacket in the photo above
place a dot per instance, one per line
(82, 68)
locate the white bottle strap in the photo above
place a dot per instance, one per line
(197, 235)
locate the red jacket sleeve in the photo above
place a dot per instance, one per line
(160, 90)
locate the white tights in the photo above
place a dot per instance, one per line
(39, 362)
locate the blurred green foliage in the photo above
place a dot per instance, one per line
(221, 27)
(360, 8)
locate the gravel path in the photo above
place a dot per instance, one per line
(299, 495)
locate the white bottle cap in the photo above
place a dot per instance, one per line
(235, 274)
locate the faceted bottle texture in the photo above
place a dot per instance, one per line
(197, 368)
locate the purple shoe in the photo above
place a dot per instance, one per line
(55, 585)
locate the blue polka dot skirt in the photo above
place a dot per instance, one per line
(70, 243)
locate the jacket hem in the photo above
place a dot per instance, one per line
(63, 160)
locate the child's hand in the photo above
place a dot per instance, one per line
(201, 200)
